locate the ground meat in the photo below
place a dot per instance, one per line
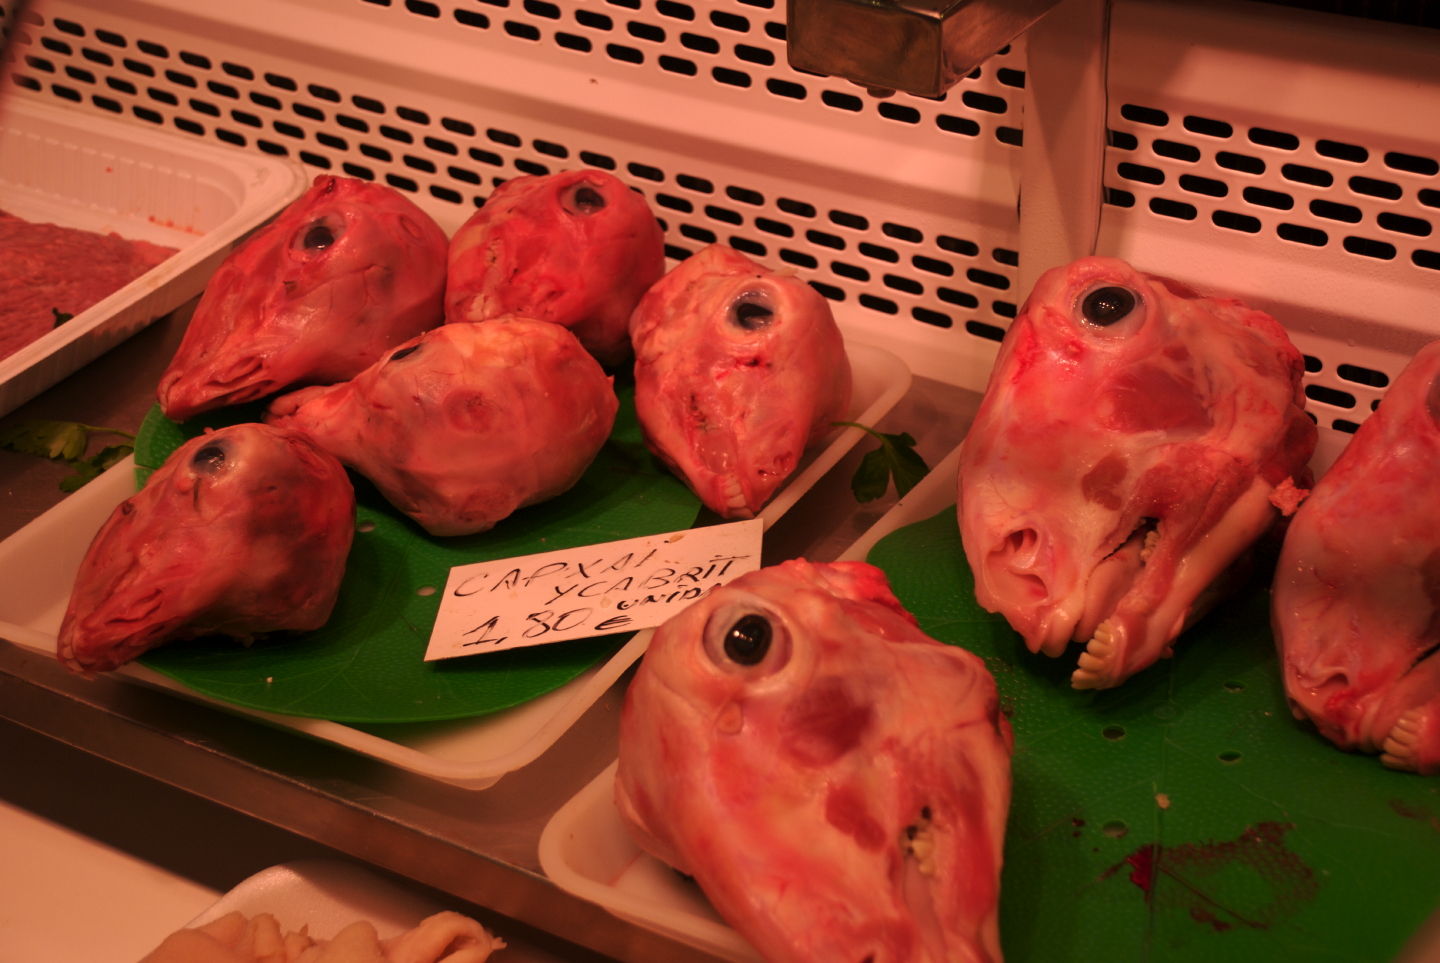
(45, 269)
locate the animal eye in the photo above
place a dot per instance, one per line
(1105, 306)
(209, 459)
(744, 639)
(752, 311)
(405, 352)
(583, 199)
(748, 640)
(318, 235)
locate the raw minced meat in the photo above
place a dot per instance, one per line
(46, 268)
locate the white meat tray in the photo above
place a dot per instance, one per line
(587, 851)
(40, 562)
(326, 895)
(86, 171)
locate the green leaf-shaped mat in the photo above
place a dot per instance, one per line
(1185, 815)
(366, 664)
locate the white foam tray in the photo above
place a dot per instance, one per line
(40, 562)
(587, 851)
(80, 170)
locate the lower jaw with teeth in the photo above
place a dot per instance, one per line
(1098, 664)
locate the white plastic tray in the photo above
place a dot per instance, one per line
(326, 895)
(587, 851)
(86, 171)
(40, 562)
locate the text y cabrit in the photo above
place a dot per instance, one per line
(581, 593)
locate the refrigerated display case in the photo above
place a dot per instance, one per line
(1288, 157)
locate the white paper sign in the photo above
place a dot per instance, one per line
(577, 593)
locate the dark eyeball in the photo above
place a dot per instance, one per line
(583, 199)
(208, 459)
(748, 640)
(319, 235)
(1109, 305)
(744, 638)
(752, 311)
(405, 352)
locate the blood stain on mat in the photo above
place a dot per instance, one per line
(1250, 882)
(1417, 812)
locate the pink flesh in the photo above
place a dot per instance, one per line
(255, 544)
(476, 421)
(786, 788)
(533, 251)
(278, 313)
(1188, 413)
(48, 271)
(730, 410)
(1357, 592)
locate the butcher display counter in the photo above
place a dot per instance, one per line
(477, 847)
(1286, 157)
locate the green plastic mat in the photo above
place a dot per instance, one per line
(1185, 815)
(366, 664)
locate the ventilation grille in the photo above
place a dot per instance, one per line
(1345, 205)
(738, 45)
(893, 265)
(1324, 193)
(932, 274)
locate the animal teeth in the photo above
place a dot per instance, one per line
(1095, 662)
(1103, 642)
(919, 841)
(1398, 751)
(734, 495)
(1152, 539)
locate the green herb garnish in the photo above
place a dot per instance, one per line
(66, 442)
(895, 458)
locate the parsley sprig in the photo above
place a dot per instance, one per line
(895, 458)
(66, 442)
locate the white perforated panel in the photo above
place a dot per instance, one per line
(1283, 156)
(1292, 163)
(897, 256)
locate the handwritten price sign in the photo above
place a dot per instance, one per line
(577, 593)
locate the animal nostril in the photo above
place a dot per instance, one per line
(1020, 545)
